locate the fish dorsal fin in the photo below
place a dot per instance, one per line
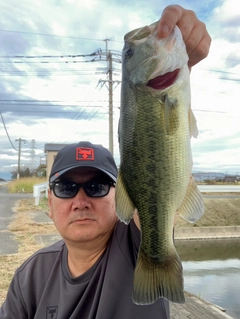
(193, 129)
(171, 115)
(143, 33)
(138, 34)
(192, 207)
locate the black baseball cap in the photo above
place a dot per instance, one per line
(83, 154)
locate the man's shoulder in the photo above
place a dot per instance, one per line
(44, 255)
(126, 239)
(56, 247)
(123, 229)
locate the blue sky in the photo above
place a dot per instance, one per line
(50, 95)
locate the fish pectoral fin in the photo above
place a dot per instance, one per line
(171, 115)
(124, 205)
(156, 279)
(192, 207)
(192, 124)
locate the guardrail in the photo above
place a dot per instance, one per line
(38, 189)
(43, 187)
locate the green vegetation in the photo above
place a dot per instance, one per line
(40, 171)
(24, 185)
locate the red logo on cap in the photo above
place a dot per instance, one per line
(84, 154)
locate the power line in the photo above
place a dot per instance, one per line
(44, 110)
(50, 35)
(97, 53)
(7, 132)
(46, 74)
(58, 101)
(97, 56)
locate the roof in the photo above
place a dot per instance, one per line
(53, 147)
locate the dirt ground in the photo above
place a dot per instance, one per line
(24, 229)
(218, 212)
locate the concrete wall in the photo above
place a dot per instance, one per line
(207, 232)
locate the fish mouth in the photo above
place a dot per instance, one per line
(162, 82)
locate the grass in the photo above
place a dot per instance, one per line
(28, 204)
(24, 185)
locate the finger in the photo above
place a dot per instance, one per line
(188, 22)
(193, 38)
(170, 17)
(197, 43)
(200, 51)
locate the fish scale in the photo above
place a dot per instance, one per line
(155, 158)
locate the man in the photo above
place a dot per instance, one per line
(89, 274)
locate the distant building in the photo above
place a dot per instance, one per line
(232, 178)
(51, 151)
(213, 176)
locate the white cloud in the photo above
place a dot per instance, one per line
(80, 28)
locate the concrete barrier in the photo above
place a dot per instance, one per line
(216, 232)
(38, 189)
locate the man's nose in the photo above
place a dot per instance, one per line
(81, 198)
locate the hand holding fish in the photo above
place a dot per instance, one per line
(194, 31)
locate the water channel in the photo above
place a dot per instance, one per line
(212, 271)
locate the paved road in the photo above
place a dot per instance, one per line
(8, 244)
(219, 188)
(194, 308)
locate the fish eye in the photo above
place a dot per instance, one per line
(129, 53)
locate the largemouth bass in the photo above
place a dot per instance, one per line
(155, 127)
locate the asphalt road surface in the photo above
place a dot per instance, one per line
(219, 188)
(8, 244)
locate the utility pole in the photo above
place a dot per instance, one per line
(19, 154)
(110, 96)
(110, 90)
(109, 58)
(33, 155)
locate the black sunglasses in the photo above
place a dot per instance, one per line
(68, 189)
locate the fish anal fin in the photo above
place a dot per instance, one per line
(124, 205)
(153, 280)
(192, 207)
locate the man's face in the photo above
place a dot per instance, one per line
(83, 219)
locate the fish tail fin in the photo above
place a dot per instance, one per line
(153, 280)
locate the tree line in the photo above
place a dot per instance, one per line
(40, 171)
